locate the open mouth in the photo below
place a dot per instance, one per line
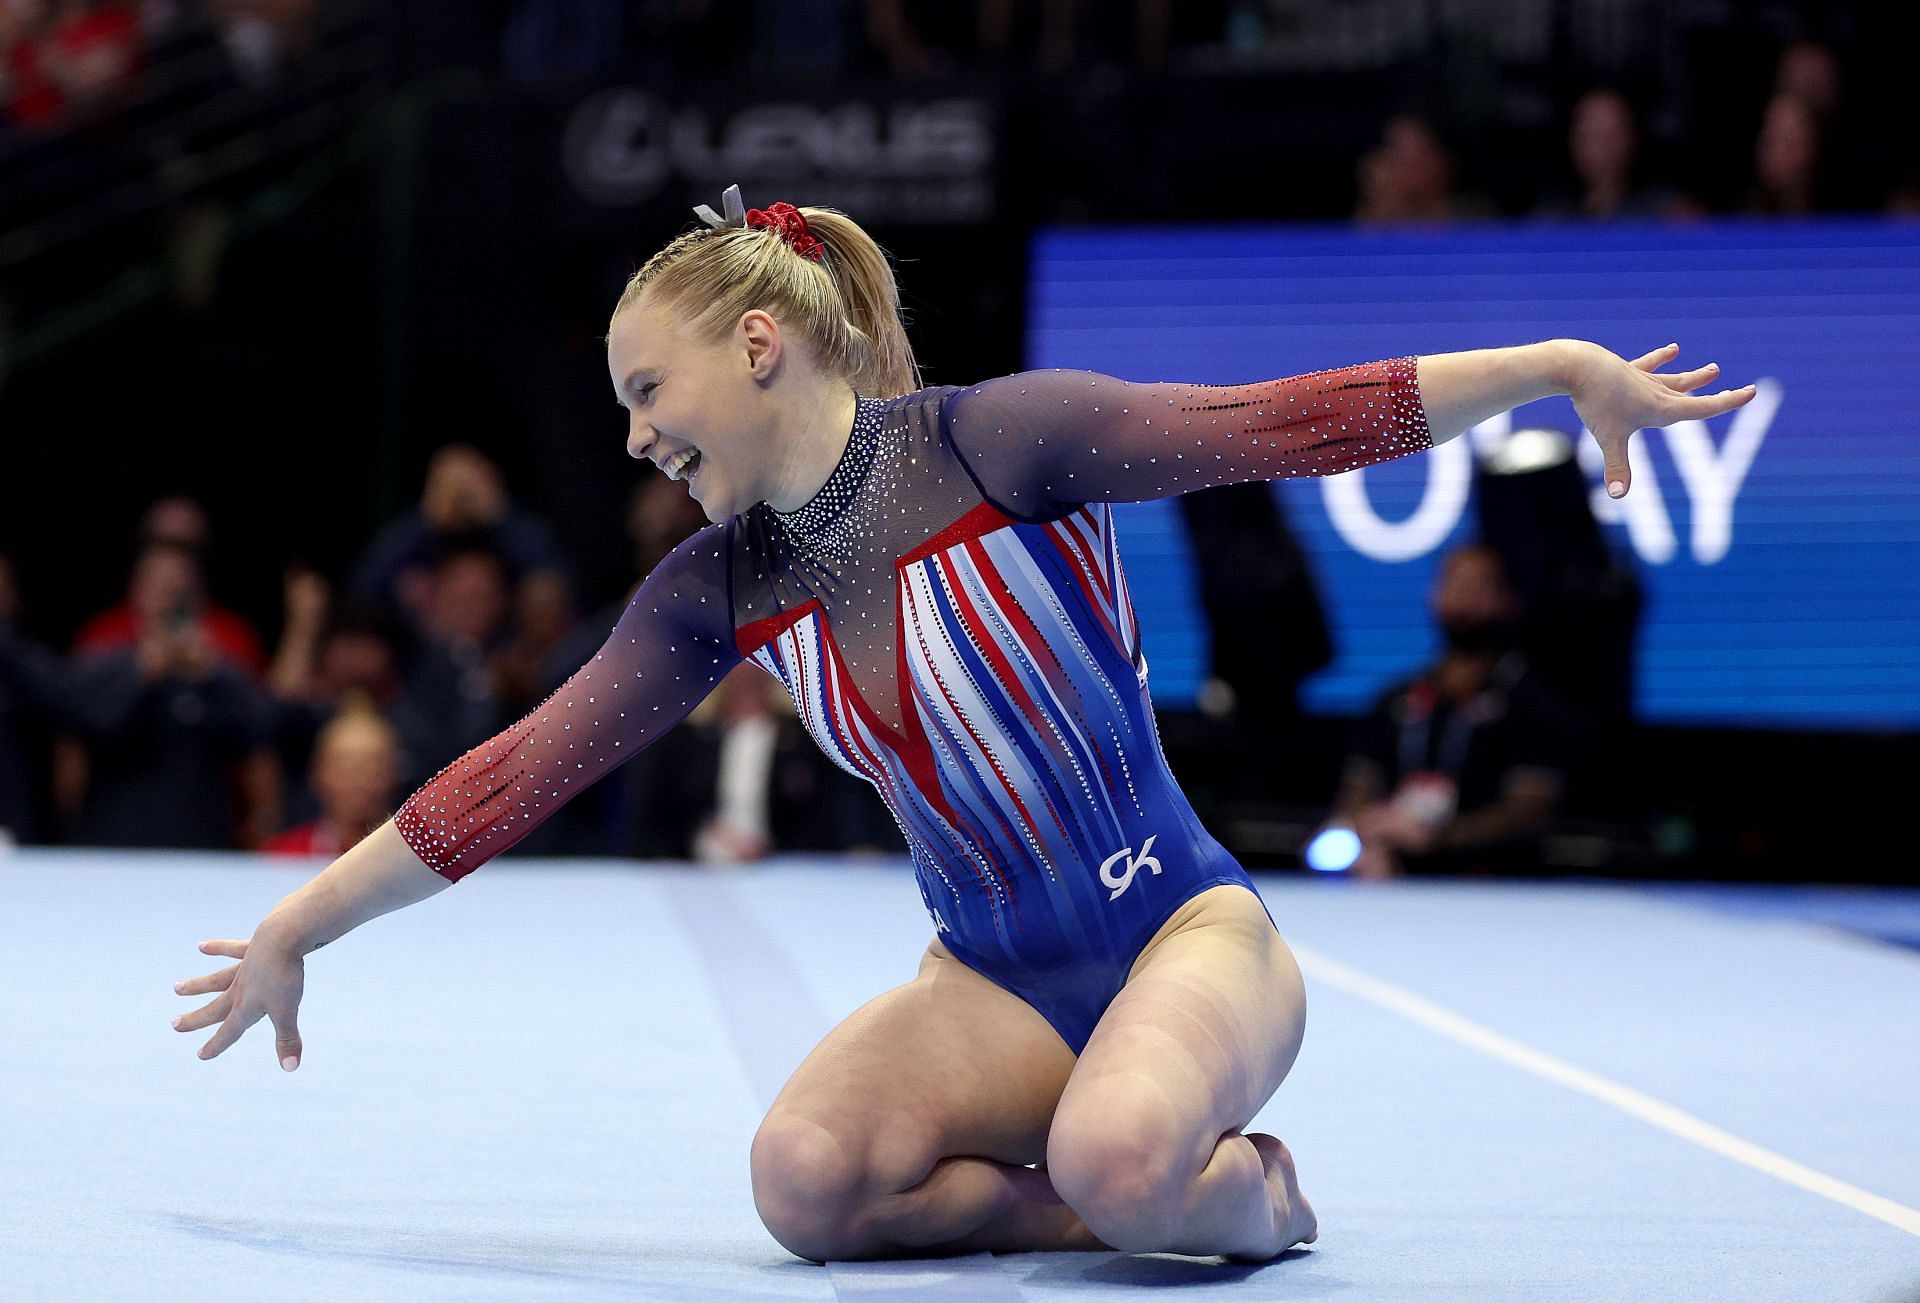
(682, 464)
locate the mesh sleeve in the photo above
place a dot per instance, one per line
(1043, 442)
(672, 644)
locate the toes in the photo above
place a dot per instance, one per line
(1302, 1226)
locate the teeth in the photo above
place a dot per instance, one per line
(676, 465)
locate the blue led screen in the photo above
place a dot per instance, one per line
(1776, 544)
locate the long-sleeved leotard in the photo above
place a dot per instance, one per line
(951, 619)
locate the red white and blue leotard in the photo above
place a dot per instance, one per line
(951, 618)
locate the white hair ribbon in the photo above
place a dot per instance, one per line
(731, 201)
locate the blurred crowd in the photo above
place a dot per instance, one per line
(1806, 155)
(1814, 142)
(170, 722)
(65, 63)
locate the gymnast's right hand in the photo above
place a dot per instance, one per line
(267, 981)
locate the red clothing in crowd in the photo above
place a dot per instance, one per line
(231, 635)
(316, 838)
(36, 98)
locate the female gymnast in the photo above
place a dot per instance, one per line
(932, 573)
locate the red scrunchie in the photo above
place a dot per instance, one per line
(791, 226)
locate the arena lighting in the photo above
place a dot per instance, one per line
(1527, 450)
(1333, 850)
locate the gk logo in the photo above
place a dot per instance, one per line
(1120, 881)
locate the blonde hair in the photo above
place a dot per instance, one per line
(357, 713)
(847, 306)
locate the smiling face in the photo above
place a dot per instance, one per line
(697, 409)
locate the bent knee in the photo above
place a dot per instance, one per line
(1125, 1172)
(807, 1185)
(815, 1186)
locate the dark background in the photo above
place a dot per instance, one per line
(404, 259)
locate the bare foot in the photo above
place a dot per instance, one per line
(1291, 1210)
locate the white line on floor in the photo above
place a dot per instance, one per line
(1625, 1098)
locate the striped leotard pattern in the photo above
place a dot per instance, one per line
(951, 618)
(1047, 835)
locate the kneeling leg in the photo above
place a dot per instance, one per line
(1148, 1145)
(908, 1130)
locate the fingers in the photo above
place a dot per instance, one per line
(286, 1040)
(229, 1032)
(1724, 401)
(1648, 361)
(219, 981)
(225, 949)
(206, 1015)
(1618, 473)
(1686, 381)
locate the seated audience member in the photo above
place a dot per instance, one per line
(355, 775)
(1608, 166)
(464, 497)
(543, 622)
(1462, 767)
(1857, 155)
(1409, 178)
(329, 650)
(452, 698)
(168, 571)
(177, 519)
(1791, 175)
(165, 725)
(34, 701)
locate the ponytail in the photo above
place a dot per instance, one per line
(846, 305)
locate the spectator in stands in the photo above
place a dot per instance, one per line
(94, 50)
(1608, 165)
(453, 699)
(1855, 161)
(26, 91)
(1462, 767)
(464, 494)
(330, 652)
(1788, 178)
(355, 775)
(166, 723)
(66, 58)
(168, 573)
(35, 697)
(177, 519)
(1408, 177)
(543, 619)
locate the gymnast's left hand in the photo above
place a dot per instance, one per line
(267, 982)
(1615, 397)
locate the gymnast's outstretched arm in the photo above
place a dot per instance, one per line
(672, 644)
(1042, 442)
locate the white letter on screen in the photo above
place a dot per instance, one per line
(1649, 528)
(1713, 480)
(1449, 477)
